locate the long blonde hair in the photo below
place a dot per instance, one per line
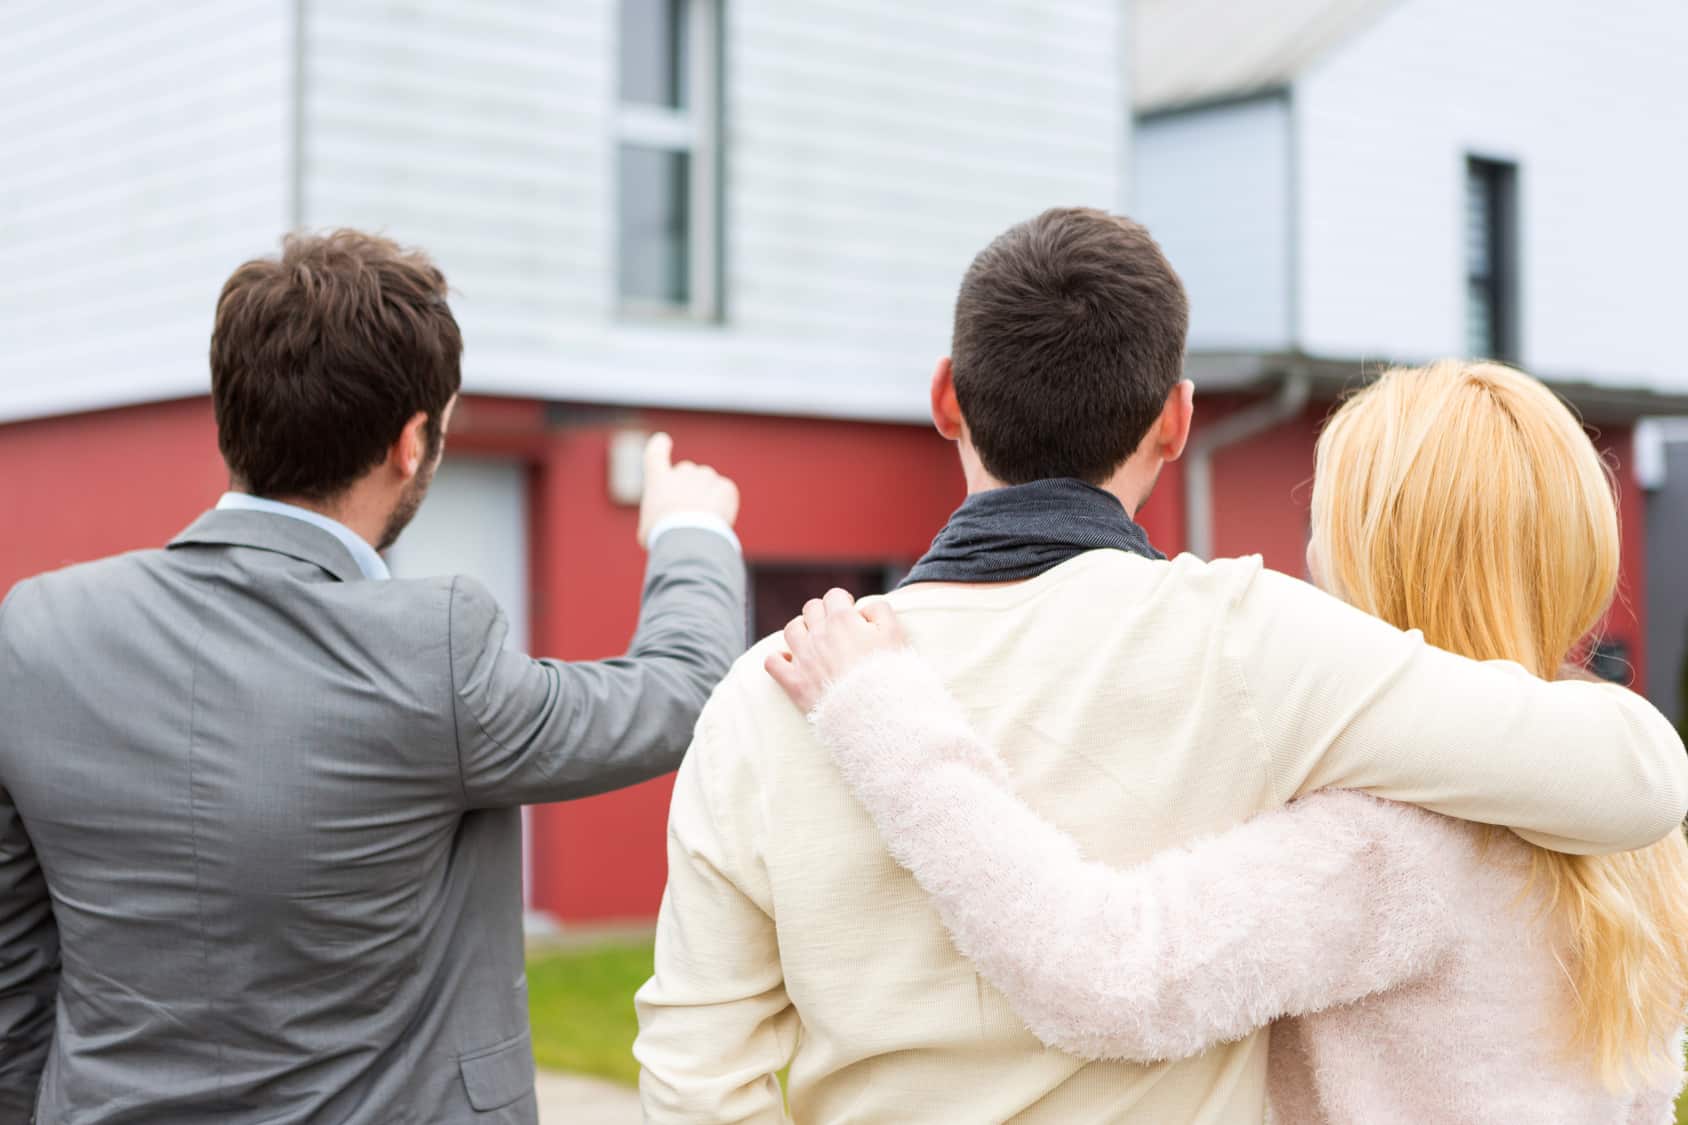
(1464, 500)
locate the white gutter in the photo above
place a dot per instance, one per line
(1289, 401)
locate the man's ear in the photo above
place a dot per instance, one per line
(1172, 429)
(946, 410)
(411, 450)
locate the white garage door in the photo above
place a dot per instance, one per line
(475, 522)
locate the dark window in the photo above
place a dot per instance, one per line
(655, 228)
(778, 590)
(668, 212)
(653, 52)
(1491, 255)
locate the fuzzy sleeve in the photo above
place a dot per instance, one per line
(1315, 905)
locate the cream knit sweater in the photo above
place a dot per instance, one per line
(1415, 980)
(1140, 705)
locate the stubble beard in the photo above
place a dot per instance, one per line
(409, 504)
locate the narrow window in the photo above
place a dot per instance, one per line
(1491, 257)
(778, 590)
(668, 161)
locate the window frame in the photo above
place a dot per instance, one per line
(1499, 285)
(694, 130)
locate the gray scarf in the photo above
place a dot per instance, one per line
(1021, 531)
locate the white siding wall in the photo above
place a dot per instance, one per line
(1214, 187)
(143, 153)
(1587, 98)
(872, 147)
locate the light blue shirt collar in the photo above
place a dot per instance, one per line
(371, 563)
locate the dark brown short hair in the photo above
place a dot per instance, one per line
(321, 356)
(1069, 334)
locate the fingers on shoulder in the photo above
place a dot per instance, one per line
(779, 665)
(839, 603)
(878, 612)
(797, 636)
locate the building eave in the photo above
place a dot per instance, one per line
(1599, 401)
(1149, 111)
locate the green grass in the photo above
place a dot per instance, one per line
(581, 1001)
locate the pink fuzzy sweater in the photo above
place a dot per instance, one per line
(1407, 976)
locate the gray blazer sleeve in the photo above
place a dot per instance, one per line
(29, 956)
(530, 731)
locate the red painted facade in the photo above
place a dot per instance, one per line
(821, 492)
(81, 487)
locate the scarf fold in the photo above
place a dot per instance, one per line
(1023, 530)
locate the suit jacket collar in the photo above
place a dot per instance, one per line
(265, 531)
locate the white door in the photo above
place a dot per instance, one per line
(475, 522)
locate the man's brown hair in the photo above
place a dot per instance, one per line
(321, 356)
(1069, 335)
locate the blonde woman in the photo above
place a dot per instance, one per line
(1417, 968)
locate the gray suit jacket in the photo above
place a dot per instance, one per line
(260, 847)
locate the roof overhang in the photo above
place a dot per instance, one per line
(1598, 401)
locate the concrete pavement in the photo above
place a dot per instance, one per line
(568, 1099)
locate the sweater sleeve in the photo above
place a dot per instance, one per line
(1304, 908)
(1345, 701)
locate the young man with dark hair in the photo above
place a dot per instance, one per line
(1069, 336)
(1189, 694)
(260, 842)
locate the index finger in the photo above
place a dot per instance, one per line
(659, 454)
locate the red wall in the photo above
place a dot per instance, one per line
(1627, 621)
(90, 485)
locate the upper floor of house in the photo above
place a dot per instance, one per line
(1371, 180)
(724, 204)
(766, 205)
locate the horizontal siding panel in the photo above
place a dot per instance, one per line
(1008, 139)
(959, 174)
(93, 53)
(468, 162)
(1029, 65)
(464, 84)
(965, 101)
(143, 154)
(470, 25)
(80, 259)
(132, 186)
(1080, 23)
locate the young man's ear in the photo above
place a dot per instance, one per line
(1172, 430)
(946, 410)
(411, 449)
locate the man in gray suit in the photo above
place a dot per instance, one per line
(259, 832)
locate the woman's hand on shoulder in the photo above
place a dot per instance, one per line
(832, 637)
